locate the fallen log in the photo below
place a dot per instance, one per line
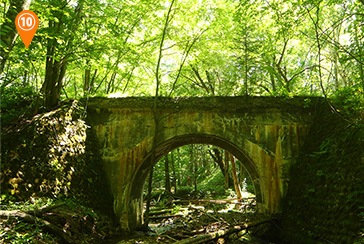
(221, 233)
(225, 201)
(30, 216)
(166, 216)
(160, 212)
(38, 212)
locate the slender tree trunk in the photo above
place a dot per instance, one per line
(75, 87)
(206, 164)
(174, 183)
(223, 164)
(149, 197)
(241, 173)
(55, 71)
(92, 82)
(86, 87)
(316, 23)
(195, 174)
(157, 75)
(155, 109)
(226, 170)
(360, 65)
(272, 79)
(246, 62)
(235, 177)
(166, 174)
(218, 159)
(110, 85)
(179, 164)
(8, 33)
(194, 166)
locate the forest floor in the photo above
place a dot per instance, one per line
(178, 221)
(46, 221)
(203, 221)
(200, 224)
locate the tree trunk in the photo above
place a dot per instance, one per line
(218, 159)
(86, 87)
(149, 197)
(174, 177)
(179, 164)
(8, 32)
(235, 177)
(56, 62)
(166, 174)
(194, 166)
(226, 170)
(246, 62)
(55, 71)
(195, 174)
(241, 173)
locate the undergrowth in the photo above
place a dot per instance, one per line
(46, 159)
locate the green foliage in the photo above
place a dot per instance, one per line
(46, 157)
(20, 232)
(10, 203)
(361, 235)
(17, 231)
(210, 180)
(331, 168)
(15, 99)
(185, 192)
(87, 225)
(350, 101)
(213, 185)
(48, 171)
(219, 48)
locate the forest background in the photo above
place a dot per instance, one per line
(185, 48)
(86, 48)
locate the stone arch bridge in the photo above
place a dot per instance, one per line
(264, 133)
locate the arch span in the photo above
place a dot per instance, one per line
(264, 133)
(136, 190)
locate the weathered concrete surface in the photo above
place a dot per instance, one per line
(263, 133)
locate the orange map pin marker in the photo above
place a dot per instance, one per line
(27, 24)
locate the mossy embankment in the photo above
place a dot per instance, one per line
(325, 201)
(52, 158)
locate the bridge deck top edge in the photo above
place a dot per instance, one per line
(208, 103)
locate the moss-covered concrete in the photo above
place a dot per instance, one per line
(53, 155)
(325, 201)
(264, 133)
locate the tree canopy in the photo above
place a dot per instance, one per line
(203, 48)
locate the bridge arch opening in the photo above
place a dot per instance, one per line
(139, 179)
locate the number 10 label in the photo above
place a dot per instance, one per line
(27, 24)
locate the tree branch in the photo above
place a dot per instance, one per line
(200, 79)
(185, 57)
